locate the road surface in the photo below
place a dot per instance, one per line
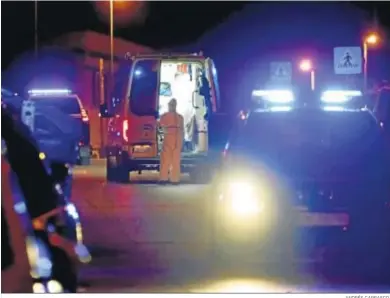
(149, 238)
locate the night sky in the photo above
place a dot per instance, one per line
(166, 23)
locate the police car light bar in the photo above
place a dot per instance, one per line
(275, 96)
(48, 91)
(339, 96)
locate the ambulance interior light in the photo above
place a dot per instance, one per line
(339, 96)
(49, 91)
(275, 95)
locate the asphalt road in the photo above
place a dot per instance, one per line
(149, 238)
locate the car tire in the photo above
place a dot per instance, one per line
(116, 170)
(64, 270)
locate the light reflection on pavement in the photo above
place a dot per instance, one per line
(148, 238)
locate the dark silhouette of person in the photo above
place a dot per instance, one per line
(347, 60)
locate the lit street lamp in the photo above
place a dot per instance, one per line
(307, 66)
(370, 40)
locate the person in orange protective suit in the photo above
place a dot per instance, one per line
(172, 124)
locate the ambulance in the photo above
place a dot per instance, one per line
(134, 141)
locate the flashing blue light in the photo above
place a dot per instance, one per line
(34, 92)
(137, 72)
(339, 96)
(275, 96)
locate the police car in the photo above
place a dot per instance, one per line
(69, 104)
(53, 130)
(296, 179)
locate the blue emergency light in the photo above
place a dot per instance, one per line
(35, 92)
(339, 96)
(275, 96)
(138, 72)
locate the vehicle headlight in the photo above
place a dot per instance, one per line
(244, 199)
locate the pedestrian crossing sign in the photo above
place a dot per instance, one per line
(281, 72)
(347, 60)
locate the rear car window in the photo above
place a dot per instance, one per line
(68, 105)
(44, 127)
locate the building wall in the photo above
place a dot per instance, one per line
(92, 47)
(72, 61)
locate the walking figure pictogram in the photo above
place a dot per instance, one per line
(347, 60)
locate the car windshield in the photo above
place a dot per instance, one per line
(295, 142)
(68, 105)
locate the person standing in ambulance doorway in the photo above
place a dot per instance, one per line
(172, 124)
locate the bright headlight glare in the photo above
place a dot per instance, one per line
(243, 199)
(241, 189)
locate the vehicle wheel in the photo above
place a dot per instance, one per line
(64, 270)
(116, 171)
